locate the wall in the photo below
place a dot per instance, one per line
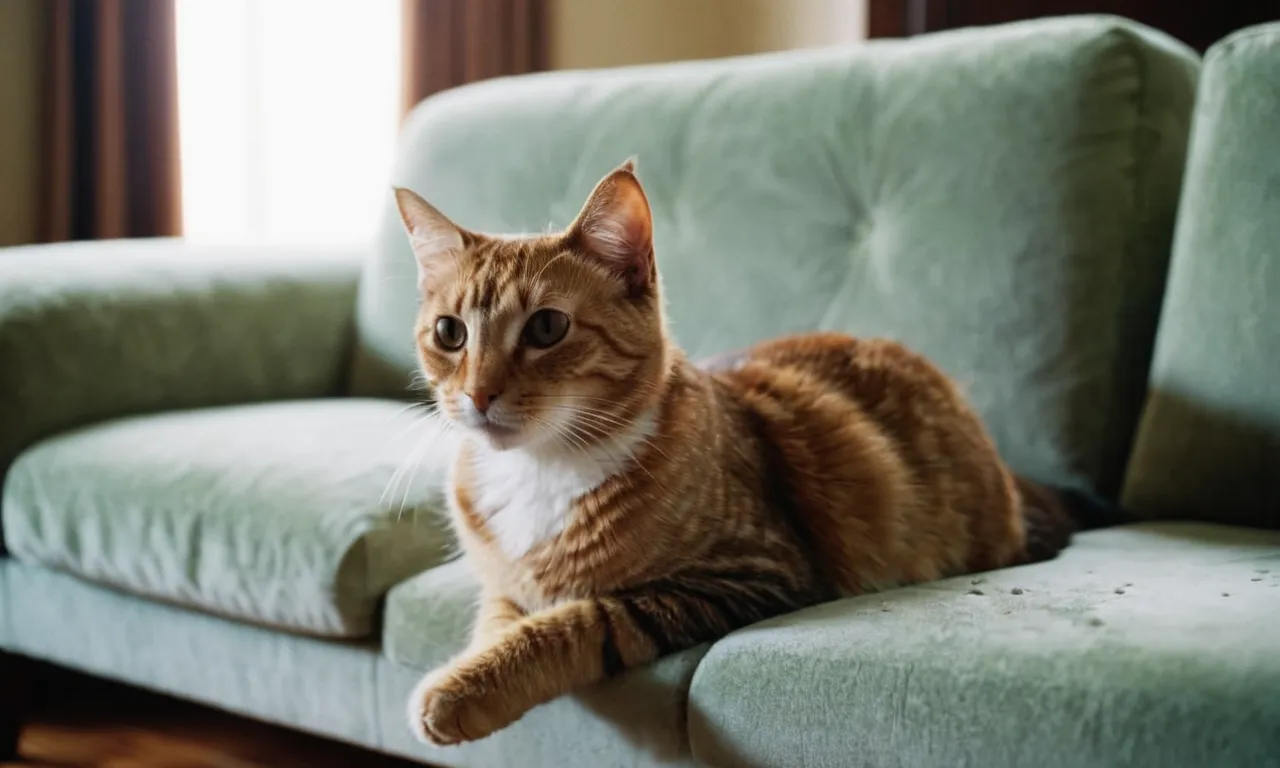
(22, 28)
(605, 33)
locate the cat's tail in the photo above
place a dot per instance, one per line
(1052, 515)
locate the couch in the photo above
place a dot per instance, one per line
(217, 485)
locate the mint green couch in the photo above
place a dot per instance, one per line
(213, 488)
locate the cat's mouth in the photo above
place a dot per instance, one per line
(486, 425)
(499, 435)
(492, 429)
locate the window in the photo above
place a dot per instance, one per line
(288, 112)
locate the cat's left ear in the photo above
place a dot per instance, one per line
(616, 227)
(437, 242)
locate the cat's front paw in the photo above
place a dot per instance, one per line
(416, 710)
(446, 709)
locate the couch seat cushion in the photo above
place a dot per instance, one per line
(299, 515)
(1149, 645)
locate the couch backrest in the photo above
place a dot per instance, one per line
(1001, 199)
(1209, 444)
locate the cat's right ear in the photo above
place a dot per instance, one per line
(437, 242)
(616, 228)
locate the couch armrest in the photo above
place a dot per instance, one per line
(96, 330)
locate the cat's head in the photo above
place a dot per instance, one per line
(537, 340)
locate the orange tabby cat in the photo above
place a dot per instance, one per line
(619, 503)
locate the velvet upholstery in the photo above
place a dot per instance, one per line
(1000, 199)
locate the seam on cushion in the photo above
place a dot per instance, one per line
(1112, 480)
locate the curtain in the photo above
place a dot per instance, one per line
(111, 114)
(454, 42)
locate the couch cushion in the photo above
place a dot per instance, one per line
(1209, 443)
(1001, 199)
(636, 719)
(289, 514)
(1151, 645)
(309, 683)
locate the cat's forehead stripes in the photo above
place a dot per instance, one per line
(505, 276)
(498, 264)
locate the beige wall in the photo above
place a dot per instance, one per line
(605, 33)
(21, 34)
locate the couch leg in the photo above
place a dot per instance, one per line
(18, 674)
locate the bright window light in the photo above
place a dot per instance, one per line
(288, 111)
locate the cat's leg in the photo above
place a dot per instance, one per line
(574, 644)
(494, 615)
(544, 655)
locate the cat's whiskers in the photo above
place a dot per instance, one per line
(605, 422)
(431, 411)
(412, 406)
(610, 400)
(599, 416)
(609, 421)
(602, 444)
(402, 479)
(578, 441)
(401, 467)
(419, 382)
(566, 438)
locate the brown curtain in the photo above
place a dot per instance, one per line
(111, 112)
(454, 42)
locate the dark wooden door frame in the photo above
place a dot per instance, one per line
(931, 15)
(1199, 23)
(904, 18)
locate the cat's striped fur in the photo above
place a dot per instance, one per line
(620, 503)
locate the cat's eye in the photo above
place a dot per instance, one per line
(450, 333)
(546, 328)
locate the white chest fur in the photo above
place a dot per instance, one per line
(528, 496)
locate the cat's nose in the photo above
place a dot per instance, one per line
(483, 400)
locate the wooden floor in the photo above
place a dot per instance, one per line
(79, 722)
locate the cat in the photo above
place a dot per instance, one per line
(619, 502)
